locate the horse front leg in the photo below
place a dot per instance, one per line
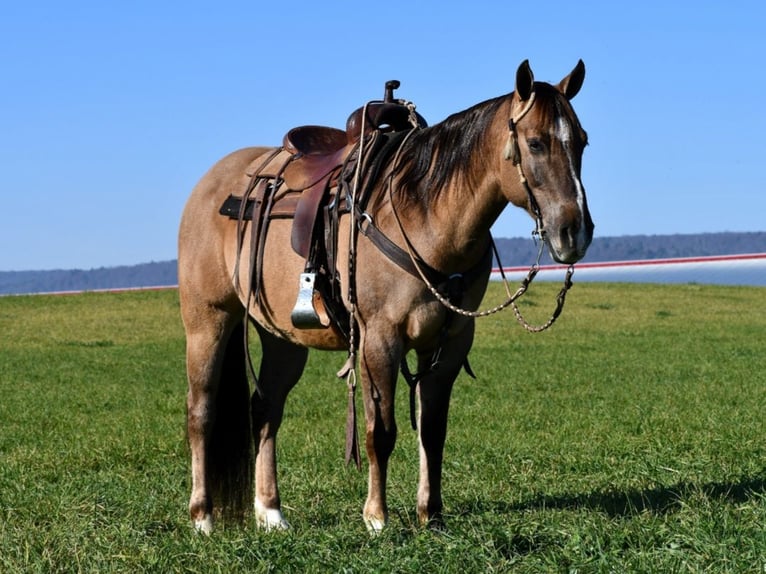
(281, 368)
(378, 364)
(434, 392)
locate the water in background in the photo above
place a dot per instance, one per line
(728, 270)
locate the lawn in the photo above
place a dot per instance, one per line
(627, 438)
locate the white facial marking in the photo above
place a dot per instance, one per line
(564, 134)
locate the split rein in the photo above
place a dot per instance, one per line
(513, 153)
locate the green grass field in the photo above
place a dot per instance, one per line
(628, 438)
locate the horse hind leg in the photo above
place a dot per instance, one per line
(218, 422)
(281, 367)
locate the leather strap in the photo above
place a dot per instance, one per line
(399, 256)
(396, 254)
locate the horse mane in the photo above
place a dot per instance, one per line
(434, 156)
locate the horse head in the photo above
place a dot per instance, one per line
(546, 144)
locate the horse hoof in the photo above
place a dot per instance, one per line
(269, 518)
(374, 524)
(204, 525)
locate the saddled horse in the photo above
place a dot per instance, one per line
(435, 199)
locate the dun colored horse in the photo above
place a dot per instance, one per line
(434, 198)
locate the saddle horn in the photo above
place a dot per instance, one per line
(391, 85)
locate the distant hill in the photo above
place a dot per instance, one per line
(513, 252)
(155, 274)
(520, 251)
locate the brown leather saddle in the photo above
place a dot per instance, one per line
(319, 151)
(303, 179)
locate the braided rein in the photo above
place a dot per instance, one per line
(512, 298)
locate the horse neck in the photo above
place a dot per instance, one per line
(451, 228)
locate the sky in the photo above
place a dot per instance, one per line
(110, 112)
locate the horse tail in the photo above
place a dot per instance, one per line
(231, 450)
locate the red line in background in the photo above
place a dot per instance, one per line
(106, 290)
(643, 262)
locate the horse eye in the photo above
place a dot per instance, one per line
(535, 145)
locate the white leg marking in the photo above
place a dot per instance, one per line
(375, 525)
(269, 518)
(204, 525)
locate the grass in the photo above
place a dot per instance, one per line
(628, 438)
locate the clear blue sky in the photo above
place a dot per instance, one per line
(111, 111)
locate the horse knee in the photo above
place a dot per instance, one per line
(380, 440)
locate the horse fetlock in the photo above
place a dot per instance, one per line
(269, 518)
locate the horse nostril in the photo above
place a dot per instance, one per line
(567, 235)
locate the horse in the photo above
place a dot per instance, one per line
(434, 199)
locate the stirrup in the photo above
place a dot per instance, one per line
(309, 311)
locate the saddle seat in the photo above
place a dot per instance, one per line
(314, 140)
(318, 150)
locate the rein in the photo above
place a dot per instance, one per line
(409, 261)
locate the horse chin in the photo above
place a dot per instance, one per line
(567, 259)
(566, 255)
(568, 244)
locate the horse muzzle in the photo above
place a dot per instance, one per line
(569, 241)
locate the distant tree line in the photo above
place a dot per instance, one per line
(520, 251)
(155, 274)
(513, 252)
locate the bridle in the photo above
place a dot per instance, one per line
(512, 152)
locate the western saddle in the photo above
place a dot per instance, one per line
(316, 164)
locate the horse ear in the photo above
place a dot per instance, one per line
(525, 81)
(570, 85)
